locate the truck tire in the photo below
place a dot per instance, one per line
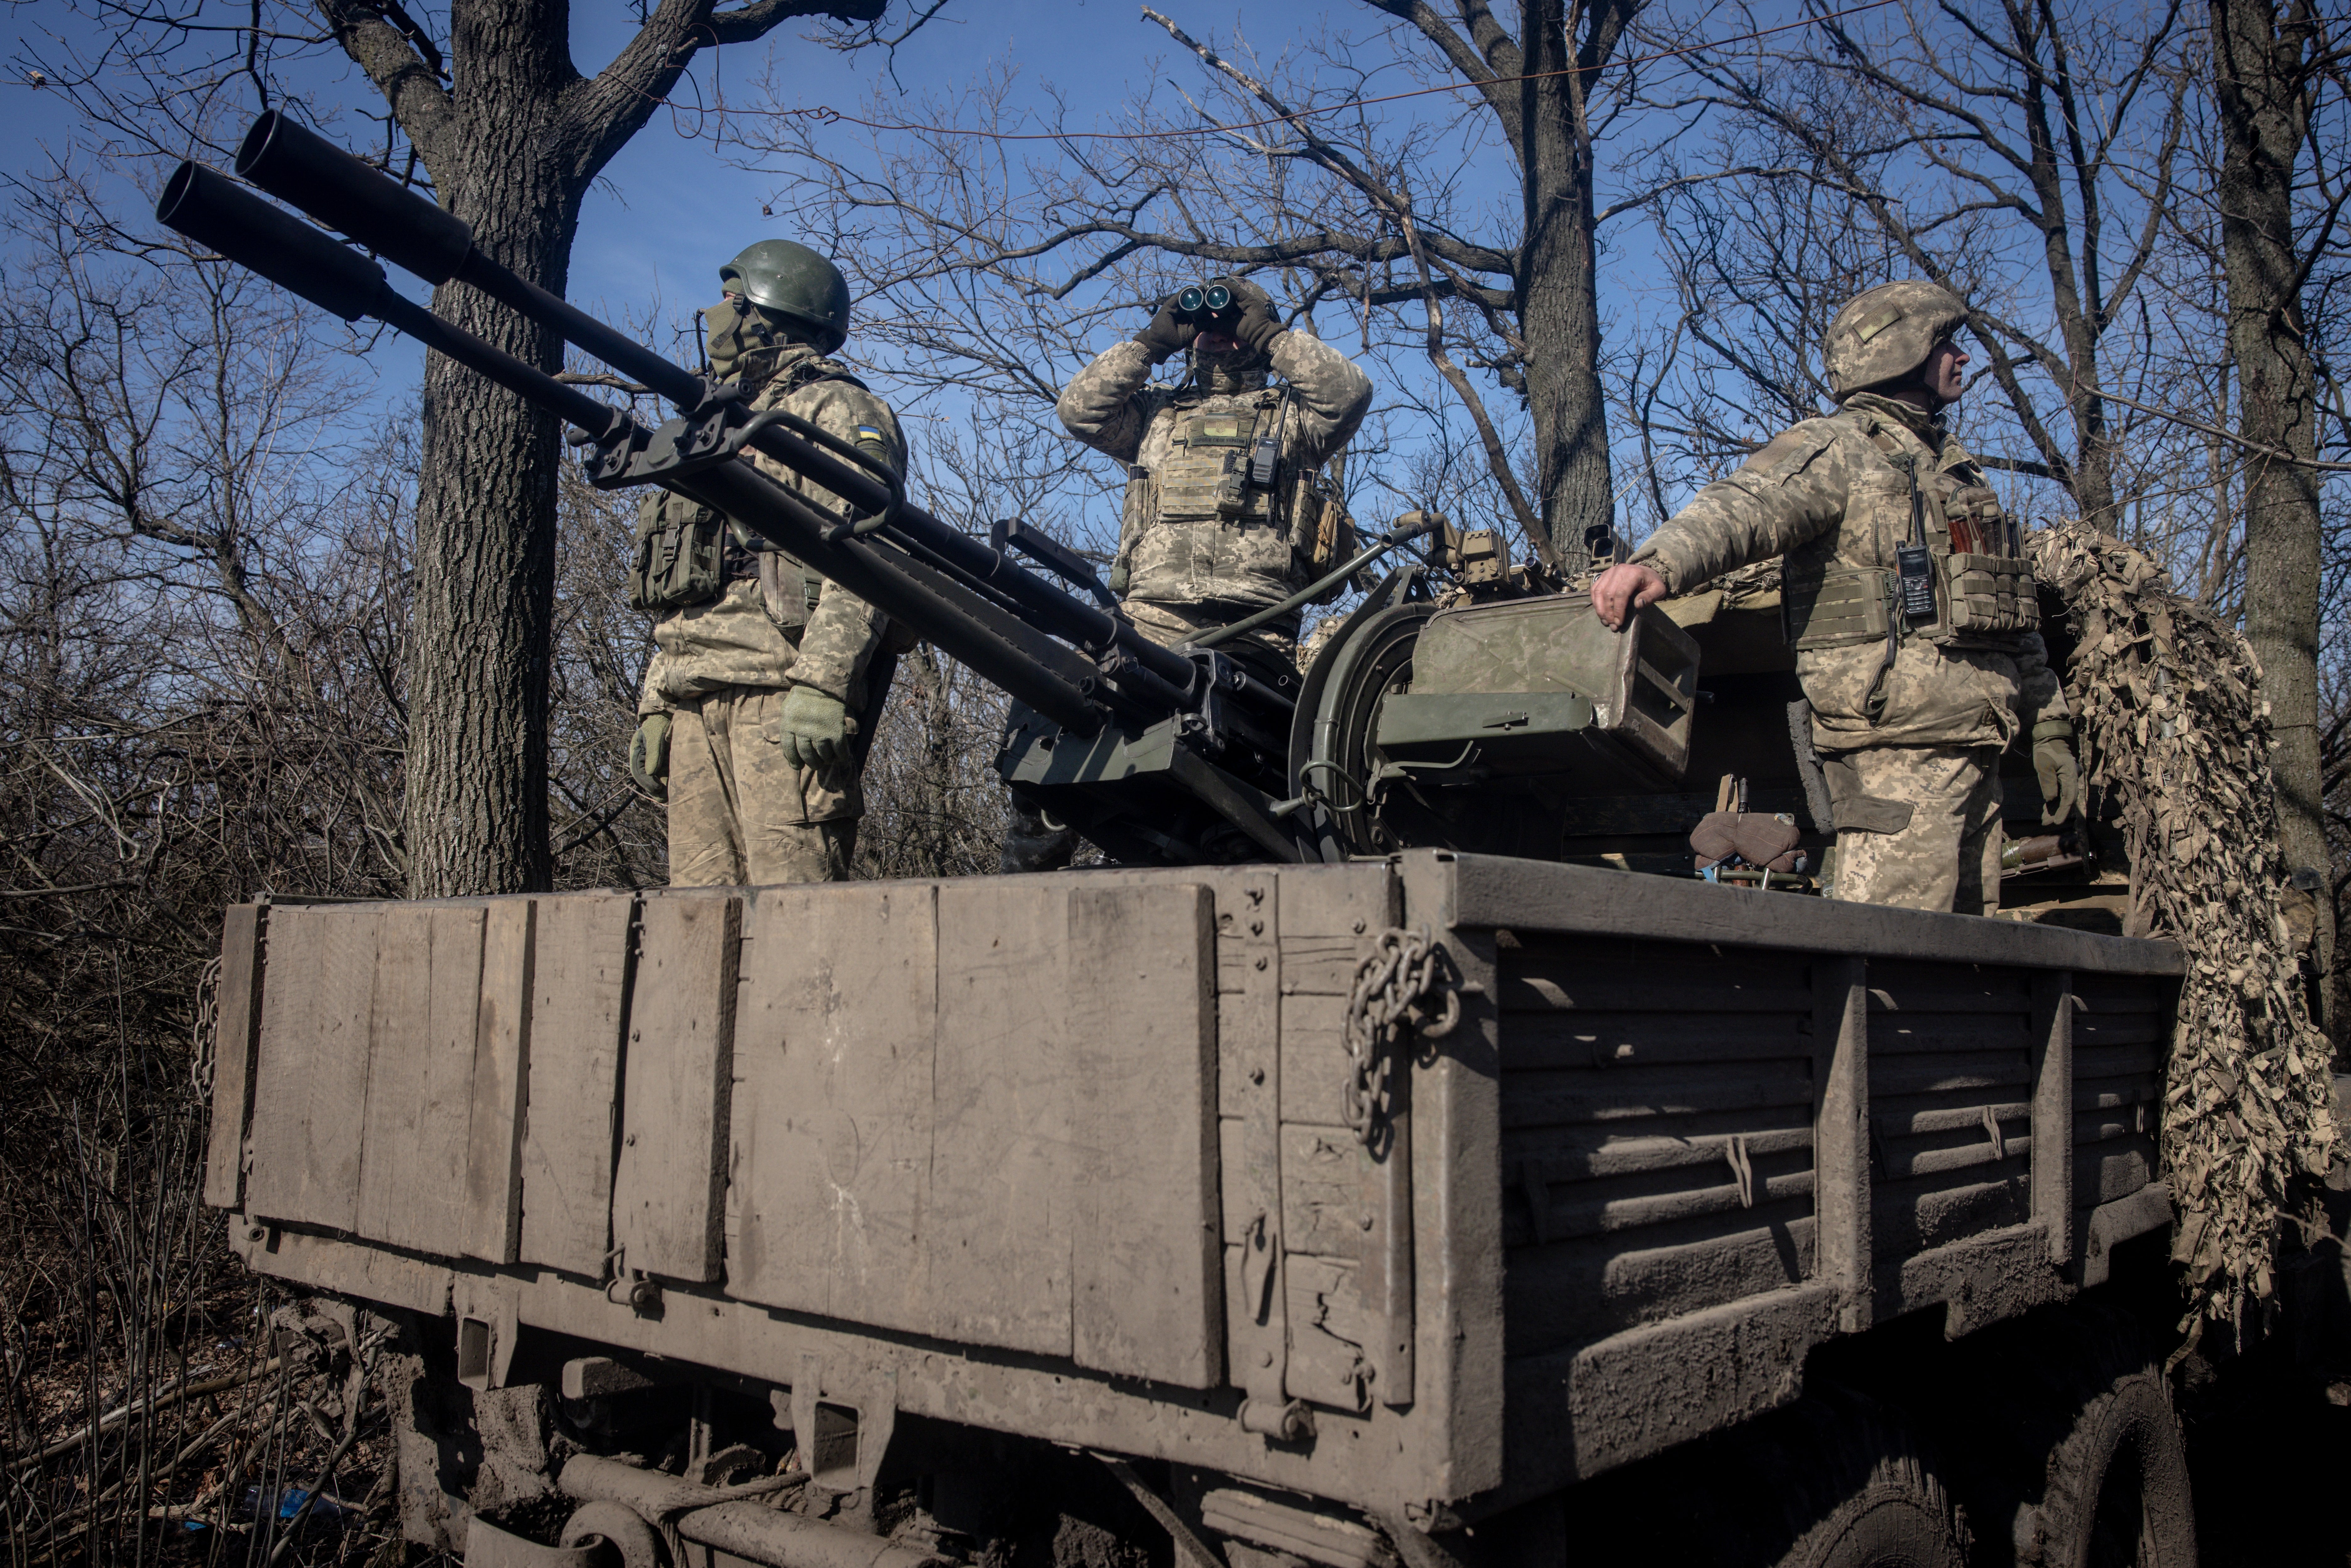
(2117, 1490)
(1900, 1517)
(1833, 1482)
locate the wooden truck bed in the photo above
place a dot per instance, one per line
(1067, 1156)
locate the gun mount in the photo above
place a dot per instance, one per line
(1162, 756)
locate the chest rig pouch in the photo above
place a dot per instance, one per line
(680, 560)
(1225, 464)
(1923, 553)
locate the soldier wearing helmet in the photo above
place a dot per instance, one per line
(1227, 511)
(1908, 601)
(759, 698)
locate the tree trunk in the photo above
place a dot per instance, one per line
(2260, 66)
(477, 676)
(1559, 301)
(512, 144)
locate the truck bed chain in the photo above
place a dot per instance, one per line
(1402, 967)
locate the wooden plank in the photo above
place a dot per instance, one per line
(405, 1191)
(669, 1203)
(310, 1073)
(421, 1077)
(580, 1001)
(1525, 897)
(501, 1083)
(237, 1035)
(398, 1011)
(1147, 1277)
(2053, 1111)
(831, 1106)
(1844, 1252)
(1001, 1199)
(1249, 945)
(1457, 1201)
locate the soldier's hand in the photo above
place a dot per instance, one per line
(813, 728)
(1258, 326)
(1622, 590)
(2060, 774)
(649, 756)
(1168, 333)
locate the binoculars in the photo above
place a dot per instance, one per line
(1204, 300)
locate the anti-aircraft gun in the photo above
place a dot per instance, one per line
(1416, 724)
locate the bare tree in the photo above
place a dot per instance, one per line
(2265, 70)
(2023, 155)
(510, 136)
(994, 266)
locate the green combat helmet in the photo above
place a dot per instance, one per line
(1886, 333)
(796, 283)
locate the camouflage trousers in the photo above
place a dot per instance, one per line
(1946, 857)
(737, 810)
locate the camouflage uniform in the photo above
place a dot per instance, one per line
(739, 810)
(1909, 713)
(1198, 548)
(1195, 549)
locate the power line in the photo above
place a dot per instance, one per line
(824, 114)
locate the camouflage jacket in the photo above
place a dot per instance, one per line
(1833, 496)
(1173, 546)
(788, 626)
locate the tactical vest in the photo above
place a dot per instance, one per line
(1228, 466)
(1970, 586)
(687, 554)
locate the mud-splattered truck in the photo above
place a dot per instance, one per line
(1378, 1203)
(801, 1223)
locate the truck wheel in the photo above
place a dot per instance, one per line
(1832, 1481)
(1900, 1517)
(2117, 1489)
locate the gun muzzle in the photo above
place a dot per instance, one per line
(299, 166)
(214, 210)
(302, 168)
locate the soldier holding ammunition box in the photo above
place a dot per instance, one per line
(1907, 600)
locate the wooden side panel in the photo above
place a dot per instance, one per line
(1657, 1139)
(236, 1032)
(427, 995)
(831, 1206)
(579, 1000)
(1002, 1205)
(310, 1073)
(669, 1200)
(1950, 1102)
(1147, 1282)
(501, 1083)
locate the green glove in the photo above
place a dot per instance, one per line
(813, 728)
(1257, 326)
(2061, 775)
(649, 756)
(1119, 578)
(1166, 334)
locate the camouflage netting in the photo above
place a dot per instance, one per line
(2173, 730)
